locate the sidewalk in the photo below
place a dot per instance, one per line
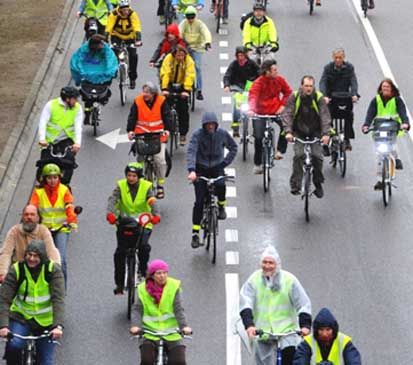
(26, 27)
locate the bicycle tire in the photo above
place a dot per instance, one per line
(391, 169)
(342, 160)
(122, 82)
(94, 121)
(192, 101)
(244, 139)
(131, 284)
(172, 136)
(266, 167)
(27, 358)
(311, 4)
(214, 232)
(307, 184)
(384, 180)
(218, 14)
(364, 7)
(207, 229)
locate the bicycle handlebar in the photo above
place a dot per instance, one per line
(273, 117)
(211, 181)
(312, 141)
(57, 155)
(43, 335)
(276, 336)
(161, 334)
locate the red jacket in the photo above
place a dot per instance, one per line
(167, 46)
(268, 94)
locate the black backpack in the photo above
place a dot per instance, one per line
(244, 18)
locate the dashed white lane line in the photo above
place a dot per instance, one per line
(226, 117)
(231, 235)
(231, 191)
(232, 300)
(222, 84)
(222, 69)
(226, 100)
(223, 44)
(232, 257)
(232, 212)
(223, 56)
(378, 50)
(223, 32)
(230, 171)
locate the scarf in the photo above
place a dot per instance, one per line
(154, 290)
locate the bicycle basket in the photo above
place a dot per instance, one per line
(89, 90)
(385, 130)
(148, 144)
(176, 88)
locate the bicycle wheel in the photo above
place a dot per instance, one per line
(94, 120)
(391, 175)
(307, 185)
(342, 160)
(27, 357)
(385, 180)
(131, 263)
(192, 101)
(172, 135)
(122, 84)
(364, 7)
(266, 164)
(207, 229)
(213, 233)
(311, 4)
(218, 14)
(244, 138)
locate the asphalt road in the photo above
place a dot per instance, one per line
(354, 255)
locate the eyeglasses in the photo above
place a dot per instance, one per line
(190, 16)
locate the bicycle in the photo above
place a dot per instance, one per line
(97, 95)
(29, 352)
(219, 13)
(123, 68)
(173, 98)
(311, 5)
(364, 7)
(385, 132)
(275, 338)
(341, 102)
(162, 357)
(131, 230)
(209, 222)
(169, 12)
(268, 147)
(308, 172)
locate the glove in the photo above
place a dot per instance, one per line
(207, 46)
(111, 218)
(156, 219)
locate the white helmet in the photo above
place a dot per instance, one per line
(123, 3)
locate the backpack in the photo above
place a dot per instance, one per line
(244, 18)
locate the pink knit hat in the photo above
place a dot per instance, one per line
(156, 265)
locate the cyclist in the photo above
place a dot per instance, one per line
(150, 113)
(205, 157)
(326, 343)
(20, 235)
(306, 115)
(198, 37)
(159, 308)
(268, 95)
(273, 300)
(172, 39)
(387, 103)
(96, 63)
(339, 76)
(31, 302)
(55, 203)
(124, 25)
(225, 9)
(98, 9)
(179, 68)
(181, 6)
(61, 125)
(238, 73)
(131, 197)
(371, 4)
(259, 30)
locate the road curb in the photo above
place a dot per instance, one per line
(19, 144)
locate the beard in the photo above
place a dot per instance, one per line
(29, 227)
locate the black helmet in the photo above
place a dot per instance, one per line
(136, 167)
(258, 6)
(69, 92)
(241, 49)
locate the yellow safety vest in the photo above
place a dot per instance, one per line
(314, 103)
(160, 317)
(33, 300)
(336, 352)
(62, 120)
(98, 11)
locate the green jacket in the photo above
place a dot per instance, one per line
(259, 35)
(196, 34)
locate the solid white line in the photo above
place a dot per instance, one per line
(231, 191)
(232, 212)
(223, 44)
(222, 69)
(223, 56)
(226, 100)
(232, 300)
(231, 235)
(226, 117)
(230, 171)
(222, 84)
(378, 50)
(232, 258)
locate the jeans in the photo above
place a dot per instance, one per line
(60, 241)
(259, 128)
(298, 162)
(265, 354)
(201, 191)
(133, 57)
(124, 243)
(45, 348)
(174, 349)
(197, 57)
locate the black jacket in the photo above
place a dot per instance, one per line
(339, 79)
(239, 75)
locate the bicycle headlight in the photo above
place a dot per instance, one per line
(383, 147)
(95, 104)
(244, 108)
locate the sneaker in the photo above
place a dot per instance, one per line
(222, 214)
(278, 156)
(295, 191)
(319, 192)
(195, 240)
(378, 186)
(118, 290)
(326, 150)
(399, 164)
(161, 20)
(258, 170)
(371, 4)
(347, 145)
(132, 84)
(182, 140)
(199, 95)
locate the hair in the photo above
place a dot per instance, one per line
(394, 89)
(266, 66)
(309, 77)
(338, 50)
(178, 48)
(37, 211)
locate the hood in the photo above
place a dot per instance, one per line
(38, 247)
(173, 29)
(209, 117)
(325, 318)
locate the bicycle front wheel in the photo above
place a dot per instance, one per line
(131, 283)
(342, 160)
(311, 4)
(244, 139)
(385, 179)
(218, 14)
(122, 84)
(307, 185)
(266, 167)
(172, 135)
(94, 118)
(213, 233)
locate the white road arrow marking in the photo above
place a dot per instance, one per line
(112, 138)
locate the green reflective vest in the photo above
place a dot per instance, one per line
(53, 216)
(160, 317)
(388, 111)
(132, 208)
(273, 311)
(62, 120)
(33, 299)
(336, 352)
(99, 11)
(314, 103)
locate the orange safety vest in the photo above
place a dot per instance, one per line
(150, 120)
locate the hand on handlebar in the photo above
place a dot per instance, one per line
(138, 44)
(252, 332)
(56, 333)
(192, 177)
(327, 99)
(187, 331)
(289, 137)
(78, 14)
(4, 332)
(76, 148)
(325, 139)
(43, 143)
(165, 92)
(305, 331)
(365, 129)
(185, 94)
(152, 64)
(354, 98)
(155, 219)
(131, 136)
(227, 89)
(134, 330)
(405, 126)
(111, 218)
